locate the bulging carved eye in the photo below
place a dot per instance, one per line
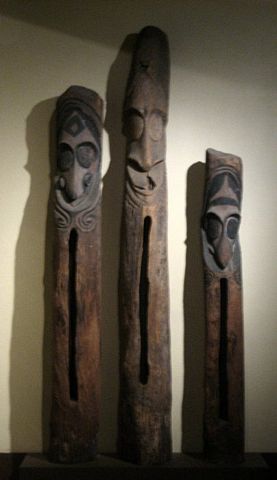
(156, 126)
(232, 227)
(213, 226)
(133, 126)
(65, 157)
(86, 154)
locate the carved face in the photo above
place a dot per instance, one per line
(78, 159)
(222, 216)
(144, 127)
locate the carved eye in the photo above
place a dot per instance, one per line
(65, 157)
(86, 154)
(213, 227)
(232, 227)
(134, 126)
(156, 126)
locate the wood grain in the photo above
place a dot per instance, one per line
(145, 379)
(77, 267)
(224, 384)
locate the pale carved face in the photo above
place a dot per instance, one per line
(78, 160)
(144, 127)
(222, 217)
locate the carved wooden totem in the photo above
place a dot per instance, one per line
(224, 384)
(145, 378)
(77, 199)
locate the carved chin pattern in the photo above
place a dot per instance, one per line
(80, 212)
(142, 183)
(142, 187)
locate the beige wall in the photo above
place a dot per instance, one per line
(222, 96)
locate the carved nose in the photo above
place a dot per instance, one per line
(74, 184)
(146, 164)
(71, 192)
(223, 252)
(146, 154)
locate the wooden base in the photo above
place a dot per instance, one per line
(108, 467)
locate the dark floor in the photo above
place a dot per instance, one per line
(109, 468)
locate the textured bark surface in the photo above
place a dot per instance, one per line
(76, 375)
(224, 384)
(145, 379)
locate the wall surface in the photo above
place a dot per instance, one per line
(222, 95)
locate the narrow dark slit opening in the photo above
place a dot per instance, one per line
(143, 303)
(223, 351)
(72, 315)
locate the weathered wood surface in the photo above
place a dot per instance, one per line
(77, 197)
(145, 377)
(224, 383)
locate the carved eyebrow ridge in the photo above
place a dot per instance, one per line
(161, 113)
(224, 201)
(93, 145)
(141, 112)
(132, 110)
(217, 183)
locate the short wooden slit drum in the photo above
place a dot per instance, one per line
(224, 383)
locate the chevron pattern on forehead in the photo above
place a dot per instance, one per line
(74, 126)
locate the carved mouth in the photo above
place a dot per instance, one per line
(144, 190)
(147, 188)
(151, 182)
(74, 202)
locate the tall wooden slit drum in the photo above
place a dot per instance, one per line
(144, 425)
(77, 283)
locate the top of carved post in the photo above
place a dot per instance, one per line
(80, 97)
(221, 212)
(150, 60)
(145, 116)
(79, 142)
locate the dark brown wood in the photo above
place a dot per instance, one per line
(77, 197)
(145, 378)
(224, 387)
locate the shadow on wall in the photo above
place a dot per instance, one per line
(211, 38)
(193, 402)
(29, 326)
(111, 218)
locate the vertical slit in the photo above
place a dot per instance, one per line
(143, 303)
(72, 314)
(223, 351)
